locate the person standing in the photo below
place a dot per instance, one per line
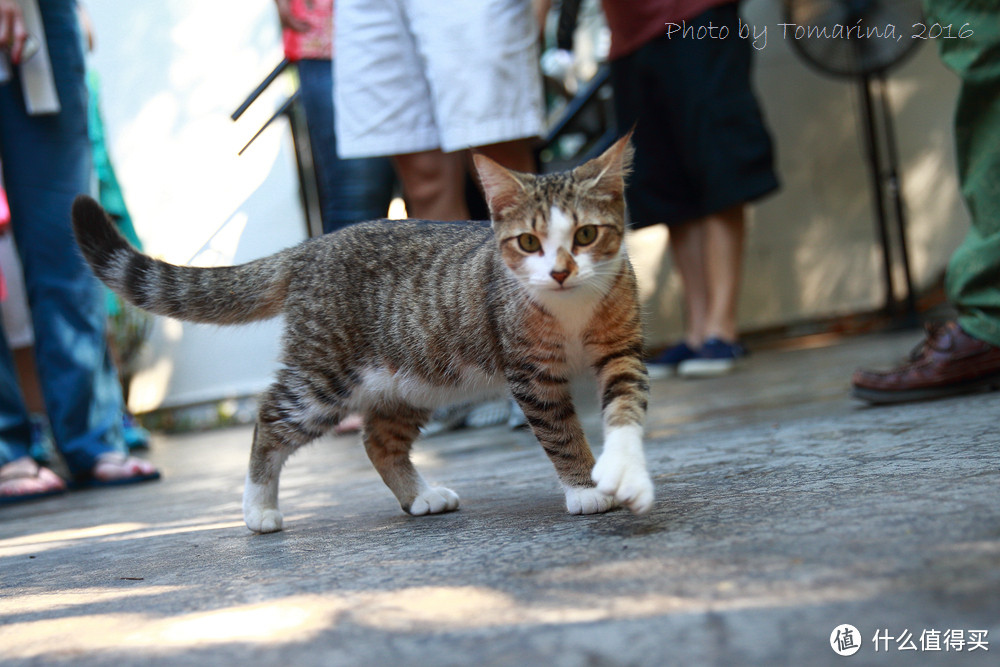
(349, 190)
(963, 354)
(46, 159)
(702, 152)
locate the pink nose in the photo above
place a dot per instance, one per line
(560, 276)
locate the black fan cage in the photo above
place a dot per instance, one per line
(852, 38)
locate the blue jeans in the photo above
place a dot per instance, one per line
(46, 163)
(349, 190)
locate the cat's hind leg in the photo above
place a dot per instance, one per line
(287, 420)
(388, 436)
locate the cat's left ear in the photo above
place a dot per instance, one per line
(608, 171)
(501, 186)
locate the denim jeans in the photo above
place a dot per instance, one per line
(46, 163)
(349, 190)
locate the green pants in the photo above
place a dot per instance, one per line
(973, 278)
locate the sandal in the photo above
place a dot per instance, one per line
(23, 479)
(116, 469)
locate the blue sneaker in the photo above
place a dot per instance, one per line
(716, 357)
(665, 363)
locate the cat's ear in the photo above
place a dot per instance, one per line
(608, 171)
(502, 187)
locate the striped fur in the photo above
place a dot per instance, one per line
(392, 319)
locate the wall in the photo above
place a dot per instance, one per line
(172, 73)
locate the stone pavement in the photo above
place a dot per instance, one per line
(784, 510)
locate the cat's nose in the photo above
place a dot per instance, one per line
(560, 276)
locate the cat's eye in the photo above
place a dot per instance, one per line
(585, 235)
(529, 242)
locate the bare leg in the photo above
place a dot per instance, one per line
(516, 155)
(388, 437)
(724, 234)
(687, 245)
(434, 184)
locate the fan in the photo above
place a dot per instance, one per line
(862, 40)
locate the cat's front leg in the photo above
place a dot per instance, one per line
(545, 399)
(621, 469)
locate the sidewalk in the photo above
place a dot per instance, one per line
(784, 510)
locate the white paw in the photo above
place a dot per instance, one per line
(262, 520)
(260, 507)
(588, 500)
(624, 476)
(434, 500)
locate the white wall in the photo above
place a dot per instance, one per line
(172, 73)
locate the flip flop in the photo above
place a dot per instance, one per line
(27, 468)
(90, 480)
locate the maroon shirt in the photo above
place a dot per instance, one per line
(635, 22)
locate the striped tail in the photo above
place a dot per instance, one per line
(220, 295)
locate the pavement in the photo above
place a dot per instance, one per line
(784, 510)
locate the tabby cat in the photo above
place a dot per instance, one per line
(392, 319)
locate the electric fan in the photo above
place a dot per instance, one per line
(862, 40)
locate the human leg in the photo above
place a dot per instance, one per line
(516, 154)
(962, 356)
(687, 247)
(434, 184)
(973, 278)
(351, 190)
(47, 162)
(723, 265)
(708, 253)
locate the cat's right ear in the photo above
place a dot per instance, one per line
(608, 171)
(501, 186)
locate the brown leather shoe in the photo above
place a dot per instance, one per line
(948, 362)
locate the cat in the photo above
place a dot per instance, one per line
(395, 318)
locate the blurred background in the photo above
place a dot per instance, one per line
(173, 73)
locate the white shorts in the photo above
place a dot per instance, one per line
(414, 75)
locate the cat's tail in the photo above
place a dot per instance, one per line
(221, 295)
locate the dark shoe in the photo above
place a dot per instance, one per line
(948, 362)
(665, 363)
(716, 357)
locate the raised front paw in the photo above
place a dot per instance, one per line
(588, 500)
(625, 478)
(434, 500)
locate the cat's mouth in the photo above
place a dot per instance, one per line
(553, 286)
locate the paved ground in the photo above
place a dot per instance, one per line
(784, 510)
